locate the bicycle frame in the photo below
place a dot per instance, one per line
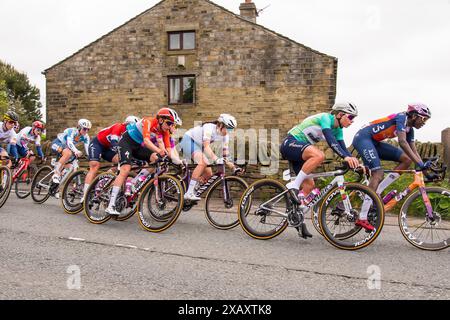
(25, 162)
(220, 173)
(72, 166)
(417, 183)
(338, 180)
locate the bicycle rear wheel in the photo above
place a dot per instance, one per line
(160, 207)
(223, 214)
(5, 184)
(97, 198)
(40, 185)
(22, 185)
(417, 228)
(72, 192)
(338, 227)
(262, 210)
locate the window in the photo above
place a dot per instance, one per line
(181, 89)
(184, 40)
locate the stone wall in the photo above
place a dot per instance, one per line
(263, 78)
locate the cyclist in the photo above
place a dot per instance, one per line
(298, 147)
(104, 146)
(8, 135)
(65, 145)
(368, 141)
(196, 145)
(27, 135)
(131, 146)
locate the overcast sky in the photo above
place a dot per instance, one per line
(390, 52)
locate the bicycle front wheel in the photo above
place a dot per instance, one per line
(72, 192)
(263, 209)
(338, 227)
(5, 184)
(160, 204)
(97, 198)
(417, 228)
(40, 185)
(220, 213)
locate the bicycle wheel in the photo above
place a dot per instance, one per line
(315, 216)
(160, 207)
(419, 230)
(338, 227)
(22, 185)
(5, 184)
(72, 192)
(263, 210)
(41, 183)
(97, 198)
(222, 214)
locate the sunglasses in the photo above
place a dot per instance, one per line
(85, 129)
(351, 117)
(12, 122)
(423, 118)
(169, 123)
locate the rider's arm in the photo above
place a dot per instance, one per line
(334, 144)
(86, 144)
(405, 146)
(208, 151)
(70, 143)
(37, 143)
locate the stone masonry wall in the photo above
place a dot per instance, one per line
(264, 79)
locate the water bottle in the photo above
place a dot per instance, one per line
(312, 195)
(128, 185)
(389, 196)
(140, 178)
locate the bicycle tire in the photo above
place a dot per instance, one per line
(404, 217)
(5, 186)
(91, 193)
(147, 221)
(350, 243)
(30, 171)
(245, 213)
(44, 171)
(67, 206)
(231, 217)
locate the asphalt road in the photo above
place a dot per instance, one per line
(48, 254)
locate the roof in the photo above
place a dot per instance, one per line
(210, 2)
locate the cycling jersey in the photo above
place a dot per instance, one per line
(26, 136)
(320, 127)
(208, 132)
(389, 127)
(71, 137)
(145, 128)
(109, 137)
(7, 136)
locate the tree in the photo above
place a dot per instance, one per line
(21, 96)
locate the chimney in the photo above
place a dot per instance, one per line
(248, 11)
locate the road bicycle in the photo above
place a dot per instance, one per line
(424, 217)
(98, 195)
(22, 175)
(42, 186)
(5, 179)
(266, 209)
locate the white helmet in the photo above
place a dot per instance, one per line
(84, 123)
(228, 120)
(346, 107)
(131, 119)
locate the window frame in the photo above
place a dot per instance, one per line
(181, 77)
(180, 33)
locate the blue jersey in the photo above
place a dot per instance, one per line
(71, 137)
(389, 127)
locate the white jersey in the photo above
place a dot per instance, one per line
(208, 132)
(7, 136)
(25, 136)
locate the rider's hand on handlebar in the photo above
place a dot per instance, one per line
(238, 171)
(162, 152)
(352, 162)
(425, 166)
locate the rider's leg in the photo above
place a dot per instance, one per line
(202, 163)
(94, 166)
(390, 153)
(313, 158)
(118, 182)
(66, 154)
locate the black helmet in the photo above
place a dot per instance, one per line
(11, 116)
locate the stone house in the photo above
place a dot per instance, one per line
(197, 57)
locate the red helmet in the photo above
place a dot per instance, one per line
(169, 114)
(420, 109)
(38, 124)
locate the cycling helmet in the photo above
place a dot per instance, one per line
(420, 109)
(131, 119)
(228, 120)
(169, 114)
(11, 116)
(84, 123)
(38, 124)
(346, 107)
